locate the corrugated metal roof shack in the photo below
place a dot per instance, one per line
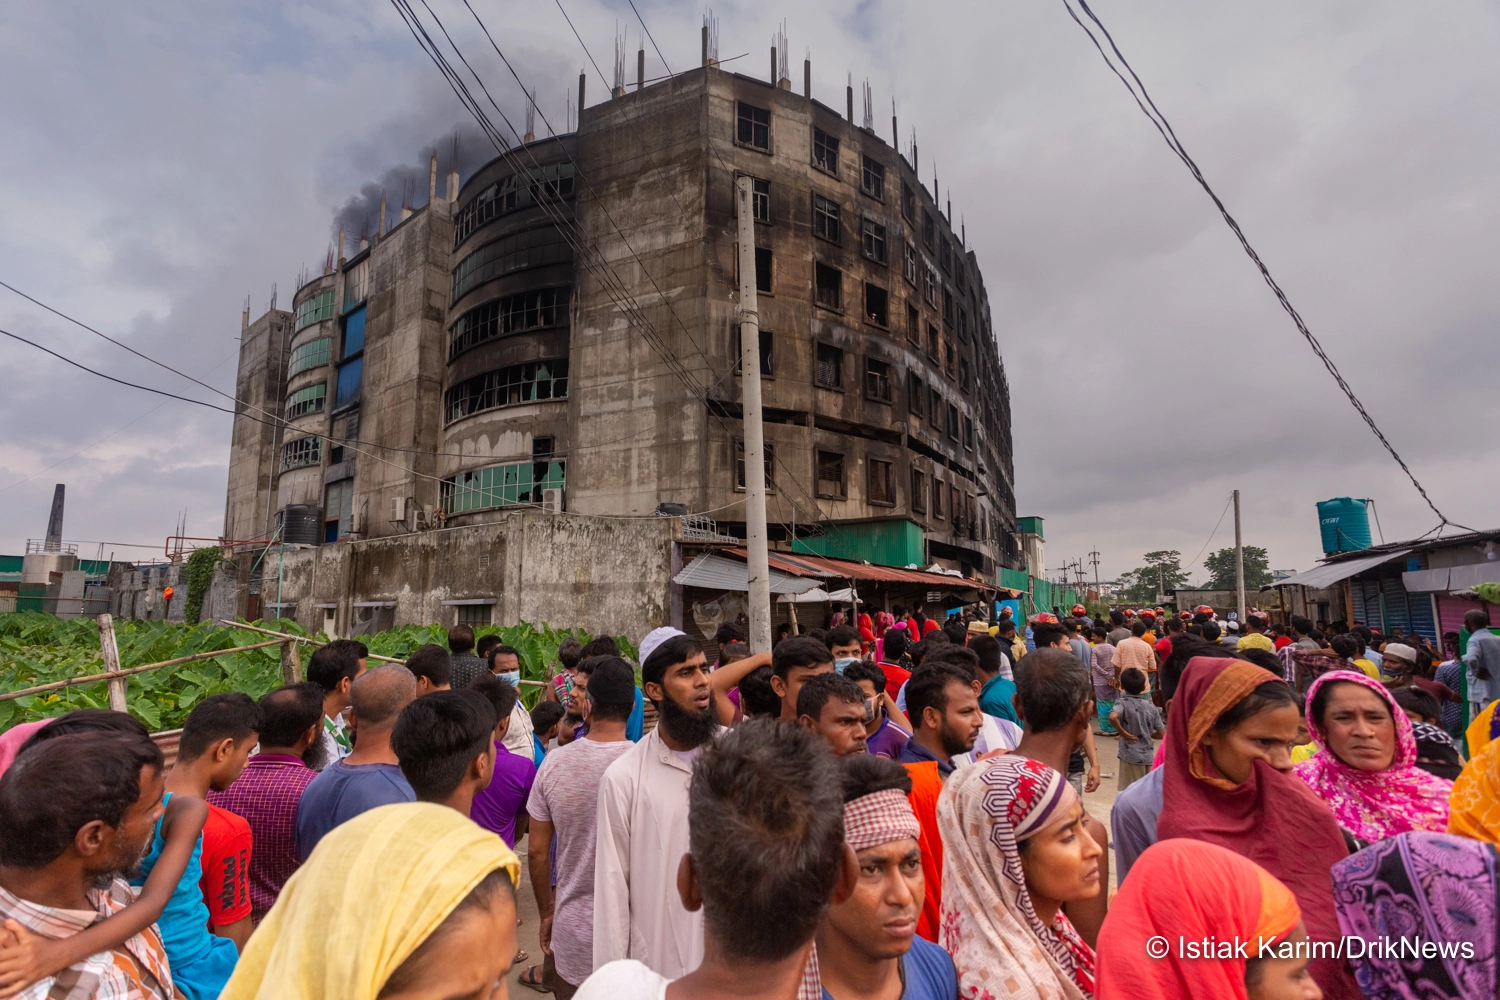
(1423, 586)
(715, 586)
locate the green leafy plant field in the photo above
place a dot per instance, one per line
(39, 648)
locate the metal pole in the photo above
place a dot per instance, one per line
(755, 468)
(1239, 561)
(111, 652)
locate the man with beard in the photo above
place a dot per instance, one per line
(945, 716)
(267, 791)
(76, 813)
(643, 816)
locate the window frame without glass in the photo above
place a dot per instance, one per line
(539, 381)
(827, 219)
(453, 492)
(308, 399)
(753, 126)
(300, 453)
(825, 151)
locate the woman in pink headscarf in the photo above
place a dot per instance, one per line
(1366, 764)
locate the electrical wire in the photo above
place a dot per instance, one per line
(105, 438)
(1211, 534)
(653, 40)
(1148, 108)
(92, 371)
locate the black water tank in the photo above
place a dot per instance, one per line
(302, 524)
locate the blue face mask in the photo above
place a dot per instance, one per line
(513, 678)
(842, 663)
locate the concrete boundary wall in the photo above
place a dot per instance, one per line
(605, 574)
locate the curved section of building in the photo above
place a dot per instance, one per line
(504, 404)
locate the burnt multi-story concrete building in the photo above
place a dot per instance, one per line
(562, 331)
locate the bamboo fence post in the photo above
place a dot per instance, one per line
(111, 651)
(291, 663)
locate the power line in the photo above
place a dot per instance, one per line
(117, 430)
(92, 371)
(1211, 534)
(1148, 108)
(647, 30)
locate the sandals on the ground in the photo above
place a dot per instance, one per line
(532, 978)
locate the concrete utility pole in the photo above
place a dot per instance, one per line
(755, 466)
(1239, 561)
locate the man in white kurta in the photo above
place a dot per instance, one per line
(643, 834)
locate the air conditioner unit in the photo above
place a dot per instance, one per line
(398, 510)
(421, 518)
(359, 517)
(552, 501)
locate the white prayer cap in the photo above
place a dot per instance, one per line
(1401, 651)
(655, 638)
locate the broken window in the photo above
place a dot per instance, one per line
(918, 491)
(825, 151)
(825, 218)
(929, 288)
(908, 202)
(829, 283)
(916, 394)
(937, 498)
(873, 180)
(769, 458)
(873, 240)
(929, 229)
(762, 269)
(830, 474)
(913, 324)
(909, 264)
(876, 301)
(877, 380)
(830, 367)
(760, 200)
(882, 484)
(754, 126)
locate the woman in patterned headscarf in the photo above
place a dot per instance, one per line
(1366, 764)
(1014, 851)
(1434, 887)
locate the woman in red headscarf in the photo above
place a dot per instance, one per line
(1228, 781)
(1190, 890)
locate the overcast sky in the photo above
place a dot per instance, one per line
(160, 162)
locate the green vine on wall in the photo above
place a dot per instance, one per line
(200, 576)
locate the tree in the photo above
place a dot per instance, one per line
(1220, 568)
(1163, 572)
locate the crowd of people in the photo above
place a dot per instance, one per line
(888, 809)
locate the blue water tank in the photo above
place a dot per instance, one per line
(1345, 523)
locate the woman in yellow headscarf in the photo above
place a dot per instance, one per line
(401, 898)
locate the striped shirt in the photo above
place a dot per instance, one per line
(266, 794)
(135, 970)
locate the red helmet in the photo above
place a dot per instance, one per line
(1129, 613)
(1148, 613)
(1184, 615)
(1043, 618)
(1203, 609)
(1079, 609)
